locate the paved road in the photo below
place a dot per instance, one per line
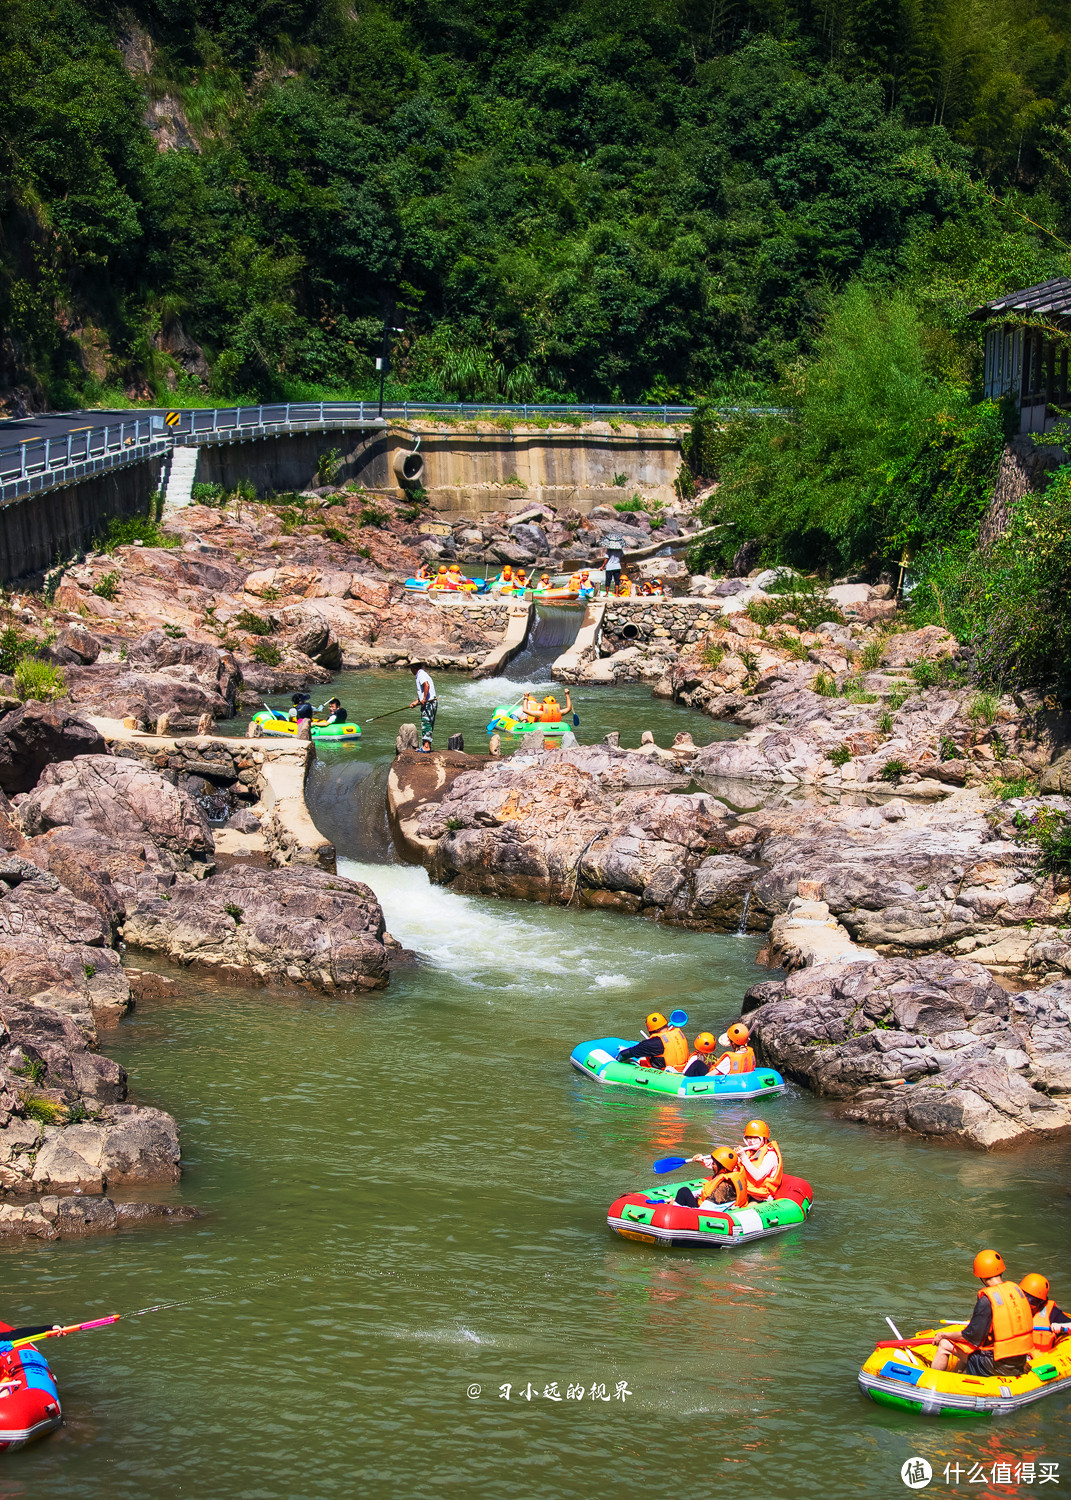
(56, 423)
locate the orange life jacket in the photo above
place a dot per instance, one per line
(737, 1181)
(551, 713)
(574, 584)
(767, 1188)
(1044, 1338)
(1012, 1333)
(740, 1061)
(675, 1049)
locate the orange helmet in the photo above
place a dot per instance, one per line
(544, 577)
(736, 1035)
(1036, 1286)
(988, 1263)
(442, 567)
(507, 571)
(656, 1021)
(454, 568)
(705, 1042)
(726, 1158)
(551, 699)
(759, 1128)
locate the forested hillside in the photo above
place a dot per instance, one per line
(564, 200)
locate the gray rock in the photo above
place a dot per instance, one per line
(878, 1036)
(294, 924)
(36, 735)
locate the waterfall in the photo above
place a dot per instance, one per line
(741, 931)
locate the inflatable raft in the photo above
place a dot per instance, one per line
(653, 1217)
(556, 596)
(507, 719)
(330, 734)
(29, 1400)
(599, 1061)
(903, 1378)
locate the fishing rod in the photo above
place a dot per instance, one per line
(55, 1333)
(404, 709)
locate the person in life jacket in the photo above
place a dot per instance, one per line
(761, 1160)
(441, 580)
(520, 580)
(504, 579)
(664, 1046)
(1050, 1321)
(586, 585)
(574, 583)
(727, 1183)
(624, 588)
(1001, 1328)
(422, 575)
(742, 1057)
(697, 1065)
(547, 710)
(544, 581)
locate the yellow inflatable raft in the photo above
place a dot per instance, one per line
(895, 1376)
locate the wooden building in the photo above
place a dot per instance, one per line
(1026, 350)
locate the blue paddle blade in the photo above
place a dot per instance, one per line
(669, 1164)
(678, 1017)
(576, 720)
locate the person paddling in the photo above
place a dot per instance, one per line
(1001, 1327)
(336, 713)
(426, 701)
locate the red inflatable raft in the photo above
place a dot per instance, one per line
(654, 1219)
(29, 1400)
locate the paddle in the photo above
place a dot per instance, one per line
(919, 1343)
(669, 1164)
(55, 1333)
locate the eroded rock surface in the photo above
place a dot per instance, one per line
(933, 1045)
(36, 735)
(65, 1122)
(298, 924)
(116, 796)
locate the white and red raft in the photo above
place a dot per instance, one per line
(29, 1400)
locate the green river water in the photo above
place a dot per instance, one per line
(404, 1200)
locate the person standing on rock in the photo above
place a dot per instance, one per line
(612, 566)
(426, 701)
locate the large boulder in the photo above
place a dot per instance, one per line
(181, 678)
(35, 735)
(295, 924)
(306, 630)
(54, 951)
(111, 872)
(934, 1046)
(116, 796)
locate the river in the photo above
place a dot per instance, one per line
(404, 1200)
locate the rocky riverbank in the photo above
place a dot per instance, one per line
(601, 826)
(934, 1046)
(104, 852)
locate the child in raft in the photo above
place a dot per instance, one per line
(726, 1184)
(545, 711)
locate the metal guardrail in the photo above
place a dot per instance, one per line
(38, 463)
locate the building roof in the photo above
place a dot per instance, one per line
(1053, 297)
